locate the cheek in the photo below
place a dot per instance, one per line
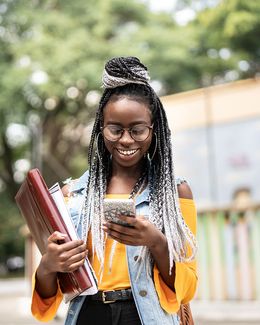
(148, 145)
(109, 146)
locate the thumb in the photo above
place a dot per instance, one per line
(56, 236)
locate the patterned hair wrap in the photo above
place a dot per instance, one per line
(124, 70)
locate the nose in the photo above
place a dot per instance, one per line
(126, 138)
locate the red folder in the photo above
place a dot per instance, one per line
(43, 218)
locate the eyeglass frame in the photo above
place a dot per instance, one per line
(128, 130)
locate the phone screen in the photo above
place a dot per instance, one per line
(115, 207)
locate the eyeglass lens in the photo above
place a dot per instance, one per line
(137, 132)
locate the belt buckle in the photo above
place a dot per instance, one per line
(104, 298)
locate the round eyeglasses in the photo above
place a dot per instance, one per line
(138, 132)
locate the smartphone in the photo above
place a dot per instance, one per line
(115, 207)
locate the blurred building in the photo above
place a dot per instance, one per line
(216, 133)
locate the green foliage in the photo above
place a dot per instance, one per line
(234, 25)
(11, 239)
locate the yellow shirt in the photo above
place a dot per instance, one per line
(185, 276)
(115, 275)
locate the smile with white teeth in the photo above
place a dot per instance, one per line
(127, 152)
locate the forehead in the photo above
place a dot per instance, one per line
(126, 111)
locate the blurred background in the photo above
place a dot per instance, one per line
(204, 61)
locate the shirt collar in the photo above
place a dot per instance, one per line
(81, 183)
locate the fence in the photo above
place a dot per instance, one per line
(229, 254)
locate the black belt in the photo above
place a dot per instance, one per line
(108, 297)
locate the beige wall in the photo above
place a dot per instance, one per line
(216, 104)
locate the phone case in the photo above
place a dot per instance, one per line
(116, 207)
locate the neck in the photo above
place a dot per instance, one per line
(124, 180)
(133, 172)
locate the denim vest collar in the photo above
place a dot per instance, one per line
(81, 183)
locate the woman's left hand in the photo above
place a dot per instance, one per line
(140, 233)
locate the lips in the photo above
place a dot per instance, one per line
(127, 153)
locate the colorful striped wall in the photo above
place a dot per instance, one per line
(229, 254)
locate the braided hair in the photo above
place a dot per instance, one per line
(128, 77)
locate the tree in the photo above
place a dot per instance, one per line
(228, 47)
(52, 56)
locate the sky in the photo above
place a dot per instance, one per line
(164, 5)
(182, 17)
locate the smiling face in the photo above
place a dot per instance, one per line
(126, 113)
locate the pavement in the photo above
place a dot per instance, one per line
(15, 303)
(226, 312)
(15, 308)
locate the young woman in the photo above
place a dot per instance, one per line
(144, 271)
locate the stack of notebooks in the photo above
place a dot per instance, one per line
(45, 211)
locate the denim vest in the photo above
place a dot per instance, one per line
(144, 292)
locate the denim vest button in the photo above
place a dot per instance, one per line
(136, 257)
(143, 293)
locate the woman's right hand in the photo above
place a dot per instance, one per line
(65, 257)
